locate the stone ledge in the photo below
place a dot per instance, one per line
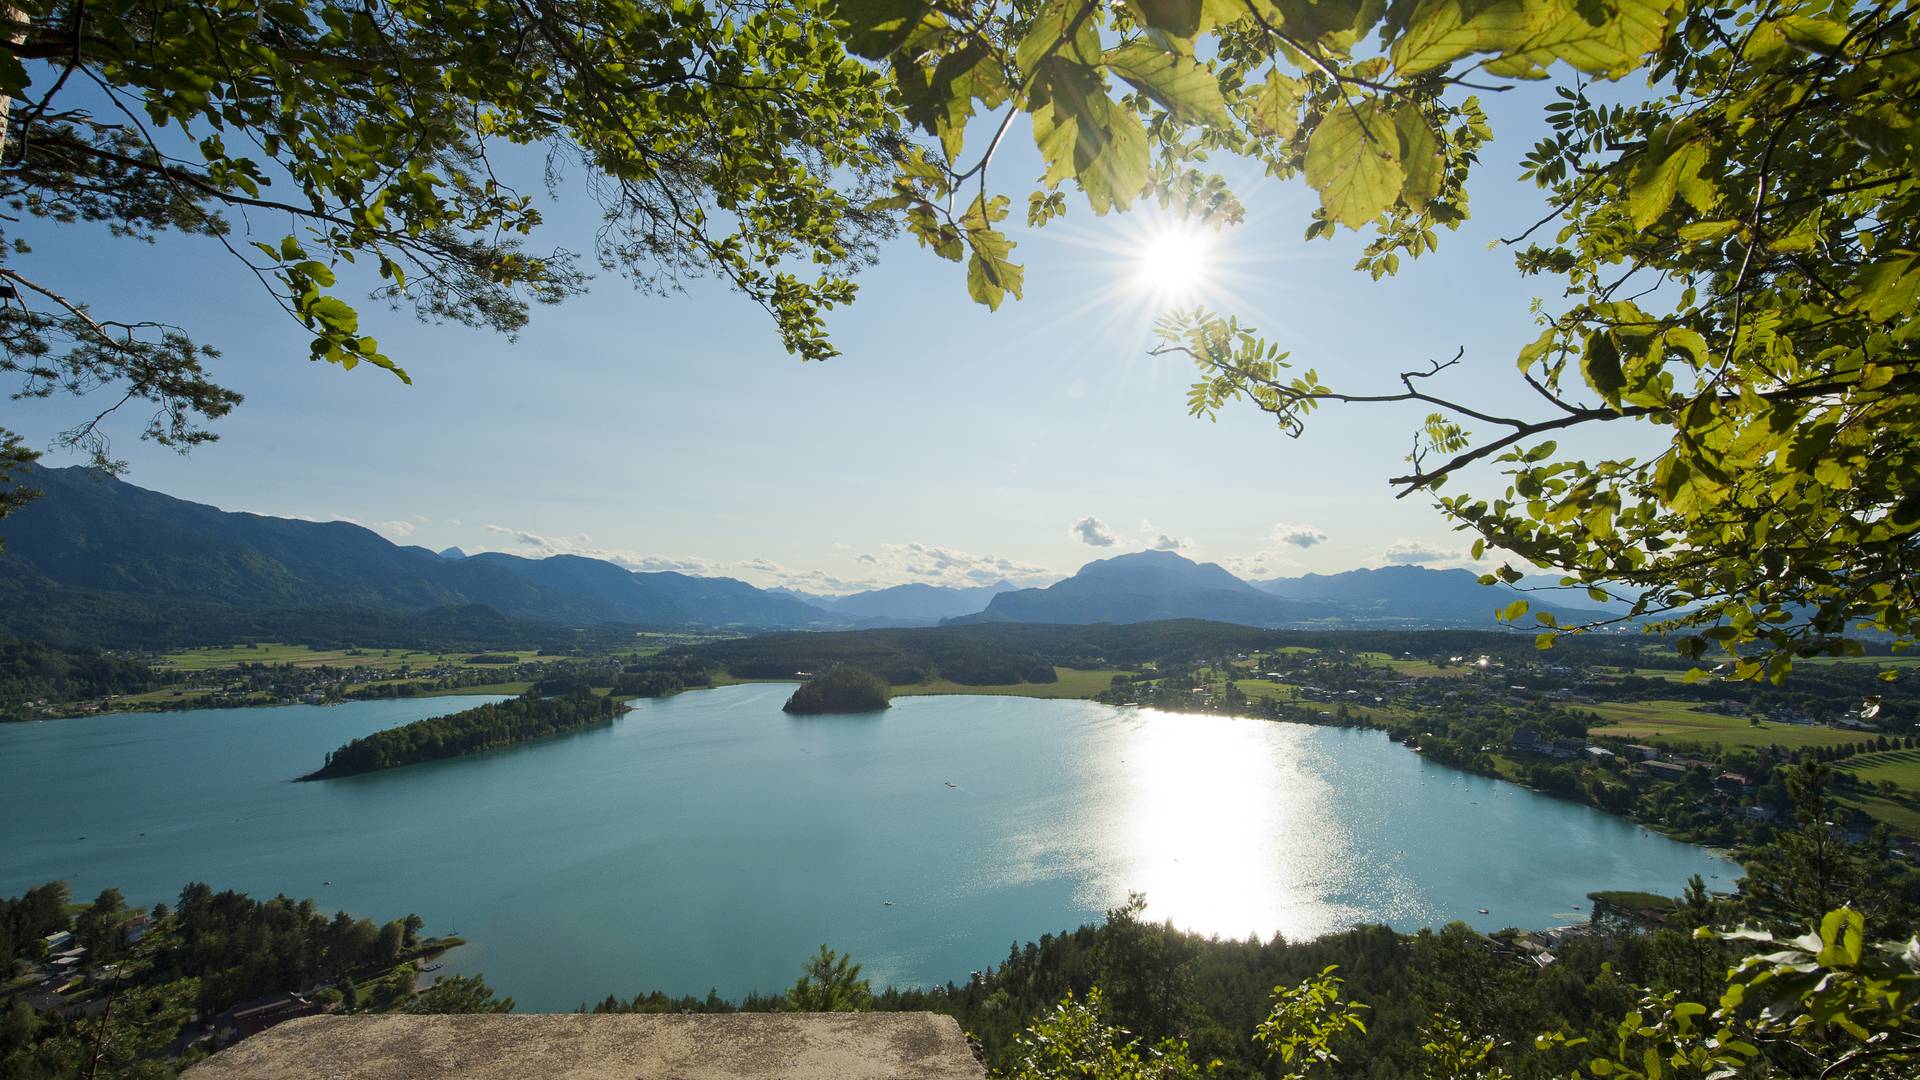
(574, 1046)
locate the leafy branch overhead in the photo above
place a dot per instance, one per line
(344, 146)
(1732, 245)
(1735, 255)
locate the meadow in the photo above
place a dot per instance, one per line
(1899, 767)
(1663, 722)
(1073, 683)
(1420, 669)
(216, 657)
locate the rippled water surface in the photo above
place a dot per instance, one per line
(711, 841)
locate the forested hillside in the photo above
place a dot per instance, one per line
(98, 561)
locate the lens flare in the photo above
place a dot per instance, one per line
(1174, 263)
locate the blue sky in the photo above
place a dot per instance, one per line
(947, 444)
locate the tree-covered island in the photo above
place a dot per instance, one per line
(488, 727)
(842, 690)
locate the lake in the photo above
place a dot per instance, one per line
(710, 841)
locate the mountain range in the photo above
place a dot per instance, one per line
(913, 604)
(1163, 585)
(100, 561)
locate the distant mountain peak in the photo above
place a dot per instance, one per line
(452, 553)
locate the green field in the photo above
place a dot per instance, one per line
(1662, 722)
(1868, 661)
(1419, 669)
(227, 656)
(1667, 674)
(1900, 766)
(1900, 816)
(169, 694)
(1074, 683)
(1255, 689)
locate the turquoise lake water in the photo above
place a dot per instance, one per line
(711, 841)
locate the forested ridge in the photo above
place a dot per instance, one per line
(487, 727)
(31, 671)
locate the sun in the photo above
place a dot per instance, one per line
(1174, 262)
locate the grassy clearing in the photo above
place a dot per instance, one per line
(229, 656)
(1664, 674)
(157, 697)
(723, 679)
(1255, 689)
(1900, 766)
(1663, 722)
(1509, 769)
(1074, 683)
(1901, 817)
(1863, 661)
(486, 688)
(1418, 669)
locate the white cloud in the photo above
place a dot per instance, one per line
(1407, 552)
(538, 546)
(1300, 536)
(1261, 565)
(890, 564)
(1163, 542)
(1092, 532)
(900, 563)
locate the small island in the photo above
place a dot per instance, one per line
(842, 690)
(488, 727)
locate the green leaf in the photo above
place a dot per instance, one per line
(1182, 85)
(1181, 18)
(1658, 178)
(1085, 135)
(875, 28)
(1276, 109)
(1419, 155)
(1888, 288)
(1707, 230)
(1600, 362)
(1600, 37)
(1046, 37)
(1353, 160)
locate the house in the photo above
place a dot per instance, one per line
(1566, 749)
(1642, 753)
(56, 942)
(1661, 770)
(255, 1016)
(1528, 741)
(1693, 763)
(1732, 783)
(1763, 814)
(1599, 753)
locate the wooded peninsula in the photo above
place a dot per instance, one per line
(488, 727)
